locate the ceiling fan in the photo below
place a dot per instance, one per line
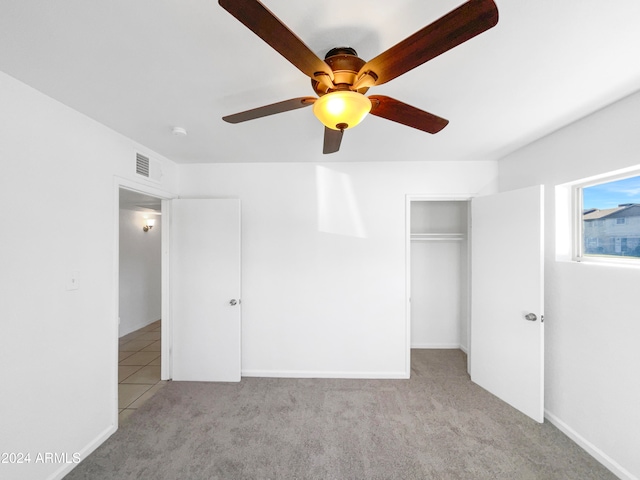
(342, 78)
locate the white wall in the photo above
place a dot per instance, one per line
(58, 348)
(439, 286)
(435, 294)
(324, 252)
(592, 316)
(140, 271)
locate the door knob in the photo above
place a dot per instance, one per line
(233, 302)
(531, 317)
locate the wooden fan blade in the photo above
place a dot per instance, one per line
(396, 111)
(272, 109)
(456, 27)
(257, 18)
(332, 140)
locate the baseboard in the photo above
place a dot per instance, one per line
(135, 327)
(84, 453)
(464, 349)
(590, 448)
(316, 374)
(436, 346)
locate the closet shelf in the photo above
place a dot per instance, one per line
(437, 237)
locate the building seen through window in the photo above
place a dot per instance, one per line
(611, 218)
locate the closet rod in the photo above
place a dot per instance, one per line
(437, 237)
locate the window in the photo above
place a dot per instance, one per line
(608, 219)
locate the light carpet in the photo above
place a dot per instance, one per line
(437, 425)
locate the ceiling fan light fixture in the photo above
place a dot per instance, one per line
(341, 109)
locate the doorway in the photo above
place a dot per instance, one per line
(139, 299)
(438, 273)
(503, 332)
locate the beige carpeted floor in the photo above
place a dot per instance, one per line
(438, 425)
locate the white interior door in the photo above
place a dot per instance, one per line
(205, 289)
(507, 349)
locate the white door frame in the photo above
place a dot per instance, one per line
(165, 196)
(455, 197)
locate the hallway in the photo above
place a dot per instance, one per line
(138, 368)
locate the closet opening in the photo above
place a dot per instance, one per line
(438, 267)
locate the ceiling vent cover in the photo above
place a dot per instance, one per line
(142, 165)
(148, 167)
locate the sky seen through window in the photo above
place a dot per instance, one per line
(612, 194)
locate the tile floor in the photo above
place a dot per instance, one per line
(138, 368)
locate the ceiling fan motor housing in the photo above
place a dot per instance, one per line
(345, 64)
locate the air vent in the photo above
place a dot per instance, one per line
(142, 165)
(148, 167)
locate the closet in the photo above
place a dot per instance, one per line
(439, 264)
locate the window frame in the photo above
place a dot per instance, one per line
(577, 201)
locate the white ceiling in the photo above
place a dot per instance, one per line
(144, 66)
(139, 202)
